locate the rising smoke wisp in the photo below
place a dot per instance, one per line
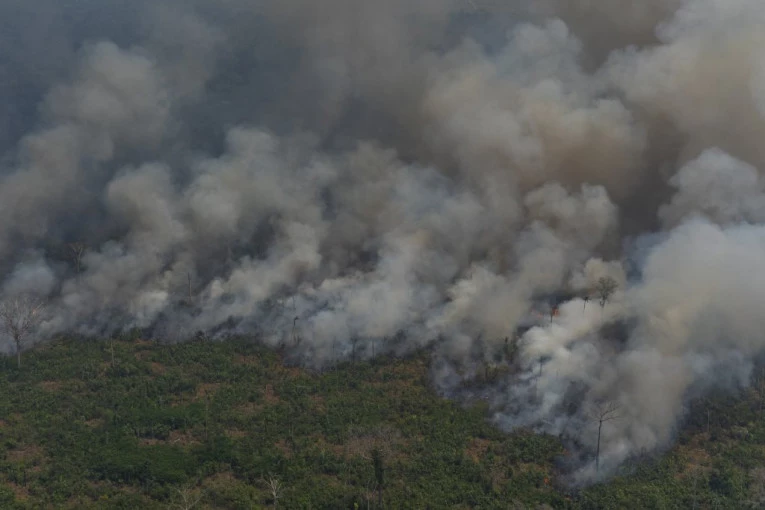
(348, 177)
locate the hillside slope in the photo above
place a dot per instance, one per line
(132, 424)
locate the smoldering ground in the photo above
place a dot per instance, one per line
(350, 178)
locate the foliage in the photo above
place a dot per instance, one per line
(133, 424)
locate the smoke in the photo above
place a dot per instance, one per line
(359, 178)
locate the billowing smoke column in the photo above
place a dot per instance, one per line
(348, 178)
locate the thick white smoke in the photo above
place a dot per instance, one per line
(352, 178)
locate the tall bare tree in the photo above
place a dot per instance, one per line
(379, 467)
(188, 498)
(76, 251)
(605, 288)
(354, 343)
(605, 412)
(275, 487)
(19, 317)
(295, 335)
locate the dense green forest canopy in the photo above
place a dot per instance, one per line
(130, 424)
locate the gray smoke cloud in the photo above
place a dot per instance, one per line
(355, 178)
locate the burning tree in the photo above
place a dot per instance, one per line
(19, 317)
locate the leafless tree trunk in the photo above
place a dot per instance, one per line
(19, 317)
(275, 486)
(295, 335)
(188, 499)
(695, 483)
(354, 343)
(379, 467)
(207, 416)
(77, 250)
(604, 412)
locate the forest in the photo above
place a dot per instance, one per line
(348, 254)
(126, 423)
